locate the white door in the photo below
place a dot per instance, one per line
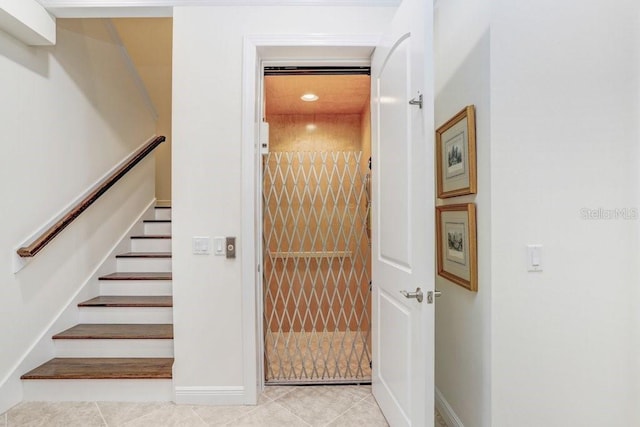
(403, 215)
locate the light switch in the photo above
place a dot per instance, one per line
(201, 245)
(534, 257)
(219, 246)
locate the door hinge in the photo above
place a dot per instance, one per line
(417, 101)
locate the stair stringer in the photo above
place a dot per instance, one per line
(43, 347)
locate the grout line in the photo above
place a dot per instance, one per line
(233, 421)
(144, 415)
(348, 409)
(291, 389)
(262, 395)
(101, 415)
(292, 413)
(197, 414)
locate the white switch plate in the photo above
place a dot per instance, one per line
(264, 138)
(201, 245)
(219, 246)
(534, 257)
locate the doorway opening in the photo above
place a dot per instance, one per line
(316, 229)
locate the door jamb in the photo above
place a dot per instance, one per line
(256, 50)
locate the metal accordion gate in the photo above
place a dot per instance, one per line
(317, 268)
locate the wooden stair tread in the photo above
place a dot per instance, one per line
(137, 276)
(144, 255)
(163, 207)
(128, 301)
(152, 236)
(122, 331)
(156, 220)
(102, 368)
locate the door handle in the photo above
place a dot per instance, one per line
(417, 294)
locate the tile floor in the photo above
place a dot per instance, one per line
(278, 406)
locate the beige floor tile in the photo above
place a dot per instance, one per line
(319, 405)
(361, 414)
(55, 414)
(222, 415)
(270, 415)
(119, 413)
(169, 416)
(276, 392)
(359, 390)
(278, 406)
(370, 399)
(263, 400)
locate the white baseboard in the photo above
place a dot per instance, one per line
(203, 395)
(446, 411)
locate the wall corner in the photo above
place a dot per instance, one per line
(28, 21)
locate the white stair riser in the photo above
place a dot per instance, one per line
(151, 390)
(111, 315)
(163, 214)
(150, 245)
(153, 265)
(136, 287)
(157, 228)
(113, 348)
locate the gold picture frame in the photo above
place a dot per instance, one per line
(456, 155)
(457, 244)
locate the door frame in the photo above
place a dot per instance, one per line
(299, 49)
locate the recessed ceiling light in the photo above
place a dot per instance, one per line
(309, 97)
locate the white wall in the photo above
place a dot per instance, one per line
(69, 114)
(149, 42)
(28, 21)
(564, 137)
(463, 318)
(206, 184)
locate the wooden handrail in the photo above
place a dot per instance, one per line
(47, 236)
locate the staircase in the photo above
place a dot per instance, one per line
(122, 349)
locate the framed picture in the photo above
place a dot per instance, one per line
(456, 244)
(456, 155)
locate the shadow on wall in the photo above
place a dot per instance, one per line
(463, 339)
(35, 59)
(88, 69)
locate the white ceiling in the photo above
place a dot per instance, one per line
(343, 94)
(164, 8)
